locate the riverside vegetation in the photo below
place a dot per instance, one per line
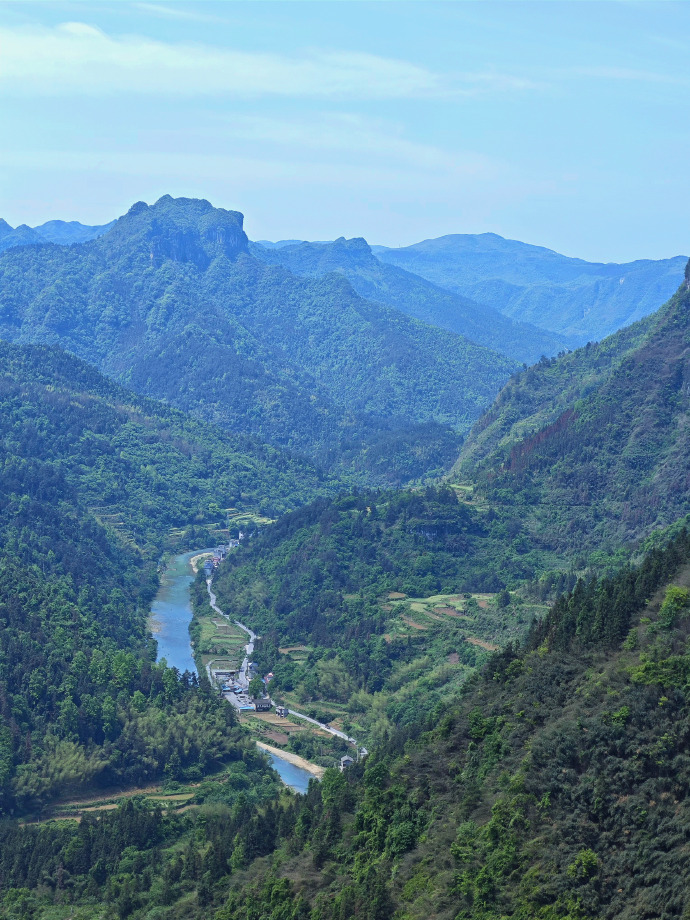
(543, 780)
(96, 484)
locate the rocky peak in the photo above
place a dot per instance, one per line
(183, 230)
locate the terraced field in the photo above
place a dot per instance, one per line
(221, 642)
(484, 622)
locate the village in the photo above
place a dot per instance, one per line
(234, 683)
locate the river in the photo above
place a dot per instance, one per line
(171, 614)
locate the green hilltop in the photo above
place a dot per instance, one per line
(171, 303)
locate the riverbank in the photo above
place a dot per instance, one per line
(294, 759)
(195, 560)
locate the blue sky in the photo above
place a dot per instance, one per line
(561, 124)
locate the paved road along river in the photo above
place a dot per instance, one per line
(171, 614)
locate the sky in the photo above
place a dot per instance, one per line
(556, 123)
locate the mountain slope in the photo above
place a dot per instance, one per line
(609, 459)
(375, 280)
(554, 788)
(93, 481)
(133, 461)
(583, 301)
(170, 303)
(53, 231)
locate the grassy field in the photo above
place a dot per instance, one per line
(220, 639)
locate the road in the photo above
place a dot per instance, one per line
(243, 680)
(326, 728)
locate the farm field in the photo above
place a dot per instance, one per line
(440, 640)
(487, 620)
(219, 641)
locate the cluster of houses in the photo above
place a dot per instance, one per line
(219, 553)
(264, 704)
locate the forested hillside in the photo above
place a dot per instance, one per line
(525, 761)
(170, 303)
(583, 301)
(138, 465)
(592, 449)
(376, 280)
(554, 787)
(96, 484)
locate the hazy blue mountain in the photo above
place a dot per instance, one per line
(581, 300)
(67, 232)
(414, 295)
(17, 236)
(53, 231)
(279, 244)
(170, 302)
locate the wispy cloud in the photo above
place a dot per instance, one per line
(78, 58)
(348, 135)
(163, 11)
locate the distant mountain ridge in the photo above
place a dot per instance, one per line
(171, 303)
(412, 294)
(53, 231)
(583, 301)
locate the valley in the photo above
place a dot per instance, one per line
(464, 583)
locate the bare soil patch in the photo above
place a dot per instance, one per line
(489, 646)
(412, 623)
(278, 737)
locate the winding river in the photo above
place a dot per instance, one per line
(171, 614)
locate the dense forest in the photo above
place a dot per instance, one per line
(592, 450)
(553, 787)
(170, 303)
(135, 463)
(376, 280)
(513, 640)
(96, 485)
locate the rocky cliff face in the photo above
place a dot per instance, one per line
(183, 230)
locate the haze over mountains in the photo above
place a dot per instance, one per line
(583, 301)
(171, 303)
(53, 231)
(414, 295)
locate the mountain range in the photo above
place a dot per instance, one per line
(582, 301)
(376, 280)
(510, 640)
(53, 231)
(171, 303)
